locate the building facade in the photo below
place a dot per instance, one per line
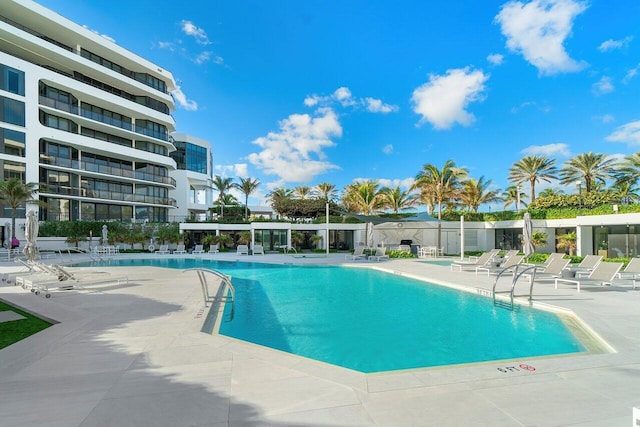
(87, 120)
(194, 163)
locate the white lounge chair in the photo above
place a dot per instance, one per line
(379, 255)
(631, 271)
(198, 249)
(214, 249)
(602, 275)
(242, 250)
(357, 254)
(163, 250)
(509, 262)
(180, 249)
(258, 250)
(474, 262)
(587, 265)
(551, 271)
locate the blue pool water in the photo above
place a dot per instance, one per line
(372, 321)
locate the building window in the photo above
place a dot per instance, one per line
(56, 122)
(152, 129)
(12, 142)
(105, 116)
(190, 157)
(11, 80)
(12, 170)
(11, 111)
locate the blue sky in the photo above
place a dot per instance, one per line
(302, 92)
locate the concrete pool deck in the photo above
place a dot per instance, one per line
(133, 355)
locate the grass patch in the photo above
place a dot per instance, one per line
(16, 330)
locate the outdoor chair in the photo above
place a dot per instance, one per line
(242, 250)
(508, 263)
(180, 249)
(379, 255)
(474, 262)
(164, 250)
(199, 249)
(602, 275)
(258, 250)
(357, 254)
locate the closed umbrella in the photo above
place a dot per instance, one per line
(370, 234)
(527, 236)
(105, 240)
(31, 233)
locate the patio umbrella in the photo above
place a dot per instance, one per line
(370, 234)
(527, 236)
(31, 233)
(105, 240)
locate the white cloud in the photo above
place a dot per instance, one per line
(183, 101)
(559, 149)
(608, 118)
(442, 100)
(538, 30)
(377, 106)
(345, 98)
(167, 46)
(611, 44)
(629, 133)
(234, 170)
(295, 153)
(631, 74)
(602, 86)
(405, 183)
(495, 58)
(190, 29)
(387, 149)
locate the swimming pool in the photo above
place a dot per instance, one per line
(372, 321)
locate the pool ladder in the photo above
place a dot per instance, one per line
(530, 270)
(222, 294)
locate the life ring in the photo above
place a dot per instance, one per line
(152, 248)
(527, 367)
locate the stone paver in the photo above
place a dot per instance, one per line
(133, 355)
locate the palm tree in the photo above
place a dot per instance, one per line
(397, 199)
(627, 191)
(362, 197)
(278, 196)
(222, 184)
(475, 193)
(550, 192)
(592, 167)
(326, 191)
(246, 187)
(567, 242)
(16, 193)
(511, 195)
(440, 186)
(302, 192)
(533, 169)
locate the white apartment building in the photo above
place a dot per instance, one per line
(193, 193)
(87, 120)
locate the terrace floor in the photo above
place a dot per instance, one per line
(133, 355)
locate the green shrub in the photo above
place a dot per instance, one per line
(400, 254)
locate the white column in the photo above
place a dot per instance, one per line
(461, 237)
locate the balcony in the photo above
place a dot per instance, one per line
(105, 119)
(107, 170)
(58, 105)
(162, 135)
(63, 190)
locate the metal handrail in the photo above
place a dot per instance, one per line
(205, 287)
(513, 269)
(532, 280)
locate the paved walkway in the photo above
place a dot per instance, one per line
(133, 355)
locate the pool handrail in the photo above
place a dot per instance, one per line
(205, 286)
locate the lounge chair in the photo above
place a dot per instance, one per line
(258, 250)
(242, 250)
(551, 271)
(552, 257)
(198, 249)
(163, 250)
(631, 271)
(473, 262)
(357, 254)
(508, 263)
(180, 249)
(379, 255)
(67, 280)
(587, 265)
(213, 249)
(603, 274)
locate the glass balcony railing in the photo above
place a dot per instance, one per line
(63, 190)
(107, 170)
(59, 105)
(106, 119)
(164, 136)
